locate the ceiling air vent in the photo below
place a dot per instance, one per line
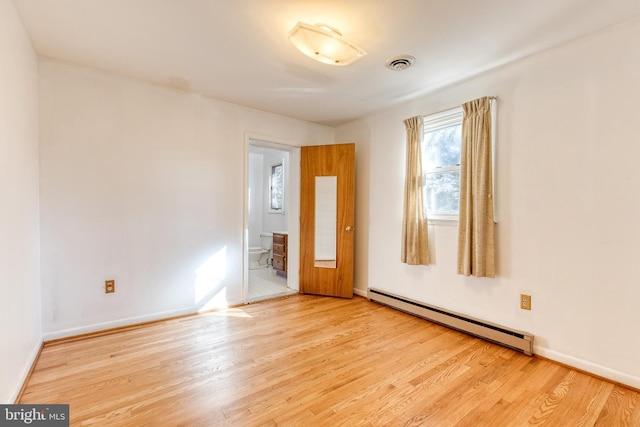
(399, 63)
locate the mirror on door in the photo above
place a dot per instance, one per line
(326, 214)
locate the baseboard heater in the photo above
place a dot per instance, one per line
(520, 341)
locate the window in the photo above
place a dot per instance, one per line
(276, 188)
(441, 163)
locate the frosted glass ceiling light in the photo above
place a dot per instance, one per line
(325, 44)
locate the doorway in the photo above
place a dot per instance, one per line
(272, 206)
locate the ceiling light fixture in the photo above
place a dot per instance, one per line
(325, 44)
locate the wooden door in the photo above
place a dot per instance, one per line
(319, 276)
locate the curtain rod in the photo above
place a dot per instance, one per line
(491, 98)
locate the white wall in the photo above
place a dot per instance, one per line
(256, 198)
(567, 199)
(20, 330)
(145, 185)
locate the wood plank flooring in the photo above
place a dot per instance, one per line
(313, 361)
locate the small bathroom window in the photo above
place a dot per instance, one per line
(276, 188)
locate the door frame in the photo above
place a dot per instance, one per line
(292, 194)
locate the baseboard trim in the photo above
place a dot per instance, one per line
(18, 389)
(594, 369)
(112, 326)
(360, 292)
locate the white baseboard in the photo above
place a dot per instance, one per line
(593, 368)
(362, 293)
(22, 378)
(97, 327)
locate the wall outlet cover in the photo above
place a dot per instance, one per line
(109, 286)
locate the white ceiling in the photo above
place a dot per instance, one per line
(238, 51)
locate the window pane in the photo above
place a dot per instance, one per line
(277, 180)
(442, 147)
(442, 192)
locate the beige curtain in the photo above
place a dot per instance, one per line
(475, 232)
(414, 221)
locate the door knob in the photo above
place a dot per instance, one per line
(349, 228)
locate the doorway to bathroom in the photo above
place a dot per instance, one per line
(271, 202)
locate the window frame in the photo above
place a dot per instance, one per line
(271, 209)
(433, 122)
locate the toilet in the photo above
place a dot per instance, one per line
(259, 256)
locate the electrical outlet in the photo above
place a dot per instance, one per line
(109, 286)
(525, 302)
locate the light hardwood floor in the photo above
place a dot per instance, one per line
(312, 361)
